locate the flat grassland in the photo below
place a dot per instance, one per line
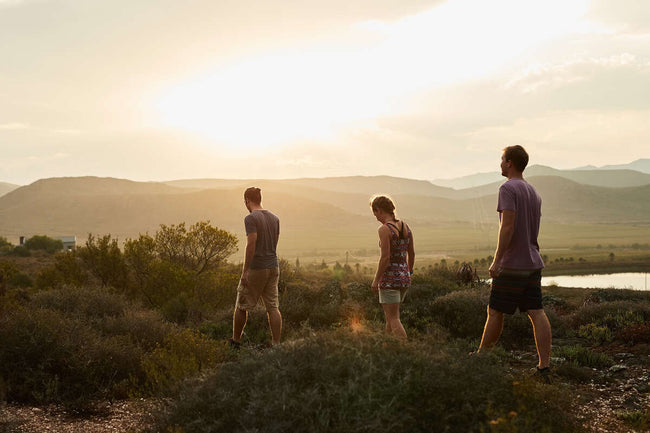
(465, 242)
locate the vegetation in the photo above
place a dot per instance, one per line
(150, 319)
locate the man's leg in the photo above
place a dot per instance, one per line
(543, 336)
(492, 330)
(393, 322)
(271, 302)
(238, 322)
(275, 323)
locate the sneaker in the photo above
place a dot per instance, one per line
(234, 344)
(544, 374)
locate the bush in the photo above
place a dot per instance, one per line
(337, 382)
(583, 357)
(73, 346)
(462, 313)
(20, 251)
(596, 313)
(610, 295)
(181, 355)
(44, 243)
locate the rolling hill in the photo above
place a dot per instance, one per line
(612, 177)
(7, 187)
(66, 206)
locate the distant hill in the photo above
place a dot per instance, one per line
(469, 181)
(78, 206)
(7, 187)
(613, 178)
(367, 185)
(642, 165)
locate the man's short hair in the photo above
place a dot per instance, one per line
(253, 194)
(517, 155)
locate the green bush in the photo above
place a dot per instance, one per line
(462, 313)
(596, 334)
(595, 313)
(182, 354)
(583, 357)
(73, 346)
(44, 243)
(638, 419)
(338, 382)
(20, 251)
(610, 295)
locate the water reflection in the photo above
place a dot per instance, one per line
(630, 280)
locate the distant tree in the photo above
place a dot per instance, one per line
(611, 257)
(201, 248)
(5, 246)
(103, 258)
(297, 263)
(67, 270)
(45, 243)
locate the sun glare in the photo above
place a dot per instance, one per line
(289, 96)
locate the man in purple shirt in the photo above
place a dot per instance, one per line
(516, 269)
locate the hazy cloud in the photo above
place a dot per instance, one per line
(13, 126)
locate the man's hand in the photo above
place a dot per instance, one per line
(375, 286)
(495, 269)
(244, 279)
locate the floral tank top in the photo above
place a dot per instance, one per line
(397, 275)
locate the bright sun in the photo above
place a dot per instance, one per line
(292, 96)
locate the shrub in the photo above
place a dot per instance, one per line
(583, 357)
(182, 354)
(462, 313)
(611, 313)
(610, 295)
(596, 334)
(20, 251)
(638, 419)
(635, 333)
(338, 382)
(72, 346)
(45, 243)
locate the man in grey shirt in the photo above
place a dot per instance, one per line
(516, 269)
(261, 271)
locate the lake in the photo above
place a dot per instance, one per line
(628, 280)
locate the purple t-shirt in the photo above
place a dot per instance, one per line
(523, 252)
(267, 227)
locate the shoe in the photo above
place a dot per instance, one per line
(544, 374)
(235, 345)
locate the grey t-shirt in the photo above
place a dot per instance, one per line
(267, 227)
(523, 252)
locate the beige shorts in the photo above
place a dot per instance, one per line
(392, 296)
(261, 283)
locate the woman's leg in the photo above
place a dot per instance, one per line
(393, 323)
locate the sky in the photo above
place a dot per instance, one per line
(154, 90)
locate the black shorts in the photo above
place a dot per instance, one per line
(517, 289)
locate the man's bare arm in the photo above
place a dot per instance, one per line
(506, 230)
(251, 240)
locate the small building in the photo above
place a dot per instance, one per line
(69, 242)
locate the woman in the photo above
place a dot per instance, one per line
(393, 277)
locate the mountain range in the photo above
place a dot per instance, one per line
(636, 173)
(82, 205)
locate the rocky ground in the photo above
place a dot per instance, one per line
(117, 417)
